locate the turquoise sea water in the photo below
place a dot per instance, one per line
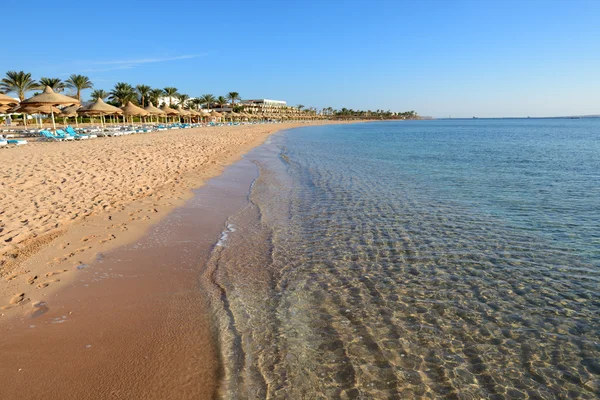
(418, 259)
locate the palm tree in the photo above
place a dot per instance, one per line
(170, 92)
(300, 107)
(144, 92)
(221, 101)
(123, 93)
(55, 84)
(233, 96)
(208, 99)
(155, 95)
(99, 94)
(195, 103)
(79, 83)
(19, 83)
(183, 98)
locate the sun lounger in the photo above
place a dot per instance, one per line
(62, 135)
(17, 142)
(47, 135)
(3, 142)
(76, 136)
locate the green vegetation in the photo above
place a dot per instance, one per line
(55, 84)
(79, 83)
(21, 83)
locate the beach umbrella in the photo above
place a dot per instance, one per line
(204, 114)
(131, 110)
(196, 113)
(31, 109)
(153, 110)
(169, 111)
(49, 98)
(215, 114)
(183, 113)
(70, 111)
(7, 100)
(100, 108)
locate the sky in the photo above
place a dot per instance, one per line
(459, 58)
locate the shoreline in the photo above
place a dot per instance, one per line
(62, 220)
(122, 298)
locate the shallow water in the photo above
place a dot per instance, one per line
(425, 259)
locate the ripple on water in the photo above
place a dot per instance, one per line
(362, 280)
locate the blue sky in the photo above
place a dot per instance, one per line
(439, 58)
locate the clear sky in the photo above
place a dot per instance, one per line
(439, 58)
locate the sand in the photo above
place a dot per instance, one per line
(65, 202)
(101, 242)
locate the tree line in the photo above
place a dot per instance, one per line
(20, 83)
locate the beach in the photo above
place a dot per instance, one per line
(69, 205)
(106, 190)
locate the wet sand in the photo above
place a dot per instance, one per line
(65, 202)
(131, 322)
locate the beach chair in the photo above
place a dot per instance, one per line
(48, 136)
(3, 142)
(76, 136)
(62, 135)
(17, 142)
(69, 129)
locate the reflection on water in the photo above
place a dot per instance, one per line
(365, 267)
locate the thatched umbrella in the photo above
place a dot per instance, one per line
(196, 113)
(184, 113)
(215, 114)
(100, 108)
(169, 111)
(203, 114)
(30, 109)
(70, 111)
(153, 110)
(49, 98)
(131, 110)
(7, 100)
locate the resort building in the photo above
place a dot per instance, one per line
(259, 106)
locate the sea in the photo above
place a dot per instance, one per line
(442, 259)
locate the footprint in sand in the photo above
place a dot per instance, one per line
(17, 298)
(108, 239)
(31, 280)
(49, 274)
(80, 250)
(85, 239)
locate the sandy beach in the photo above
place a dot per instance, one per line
(64, 202)
(67, 205)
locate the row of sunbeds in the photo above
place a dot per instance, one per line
(70, 133)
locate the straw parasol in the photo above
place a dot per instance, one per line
(195, 113)
(30, 109)
(215, 114)
(70, 111)
(169, 111)
(100, 108)
(153, 110)
(50, 98)
(131, 110)
(7, 100)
